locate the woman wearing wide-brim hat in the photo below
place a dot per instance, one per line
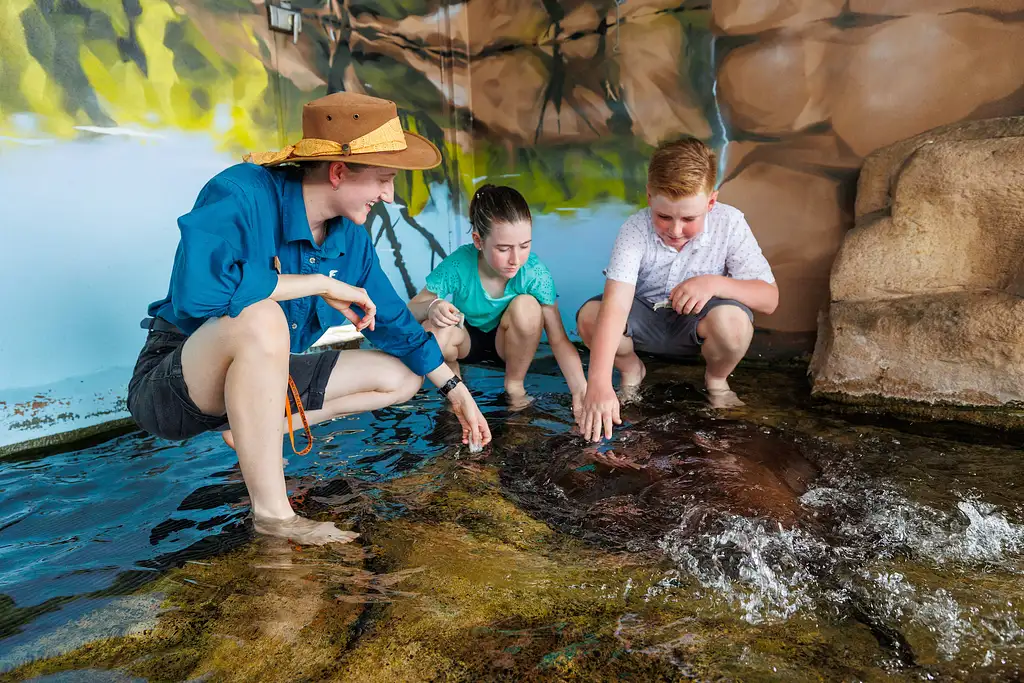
(270, 256)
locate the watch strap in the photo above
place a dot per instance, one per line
(449, 385)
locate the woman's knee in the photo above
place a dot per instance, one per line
(405, 384)
(260, 327)
(524, 314)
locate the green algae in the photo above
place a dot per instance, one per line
(465, 585)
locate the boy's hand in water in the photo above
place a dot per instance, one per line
(444, 314)
(474, 427)
(600, 412)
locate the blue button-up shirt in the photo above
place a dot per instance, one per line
(242, 219)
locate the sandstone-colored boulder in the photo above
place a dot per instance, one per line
(959, 348)
(881, 168)
(876, 84)
(779, 85)
(799, 223)
(475, 27)
(823, 153)
(508, 95)
(739, 17)
(903, 7)
(926, 300)
(583, 48)
(639, 9)
(957, 223)
(582, 20)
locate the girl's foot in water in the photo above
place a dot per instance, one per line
(518, 399)
(302, 531)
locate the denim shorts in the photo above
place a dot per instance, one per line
(158, 399)
(664, 332)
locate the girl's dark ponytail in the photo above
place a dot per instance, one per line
(496, 204)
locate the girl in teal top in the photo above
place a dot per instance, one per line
(502, 298)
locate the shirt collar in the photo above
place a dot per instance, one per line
(296, 224)
(334, 243)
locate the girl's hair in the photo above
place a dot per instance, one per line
(496, 204)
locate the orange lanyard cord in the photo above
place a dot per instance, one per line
(302, 414)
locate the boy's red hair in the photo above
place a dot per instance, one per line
(682, 168)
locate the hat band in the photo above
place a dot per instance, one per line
(386, 138)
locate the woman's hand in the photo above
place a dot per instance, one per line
(578, 398)
(475, 431)
(341, 297)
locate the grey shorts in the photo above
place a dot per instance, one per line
(664, 332)
(158, 399)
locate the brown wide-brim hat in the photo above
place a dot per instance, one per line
(355, 128)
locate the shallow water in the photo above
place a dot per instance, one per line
(780, 540)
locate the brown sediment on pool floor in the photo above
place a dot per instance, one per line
(467, 585)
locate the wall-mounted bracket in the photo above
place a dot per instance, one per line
(282, 17)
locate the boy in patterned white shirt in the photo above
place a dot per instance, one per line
(684, 277)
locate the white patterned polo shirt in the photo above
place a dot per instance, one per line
(725, 246)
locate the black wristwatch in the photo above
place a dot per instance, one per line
(449, 385)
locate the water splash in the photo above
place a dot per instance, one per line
(772, 573)
(762, 569)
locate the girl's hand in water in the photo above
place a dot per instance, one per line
(444, 314)
(600, 412)
(475, 431)
(577, 406)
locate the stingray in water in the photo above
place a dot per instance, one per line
(632, 495)
(673, 466)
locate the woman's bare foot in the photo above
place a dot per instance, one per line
(302, 531)
(229, 439)
(720, 396)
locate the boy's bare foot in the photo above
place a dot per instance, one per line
(632, 378)
(302, 531)
(720, 396)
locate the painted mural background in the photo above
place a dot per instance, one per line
(113, 113)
